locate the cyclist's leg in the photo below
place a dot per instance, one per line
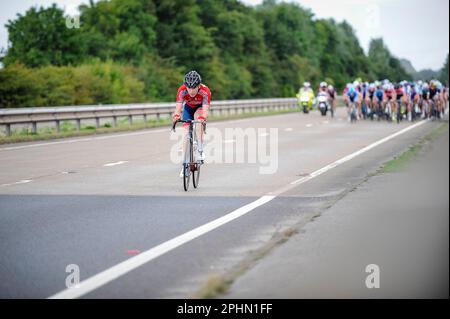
(199, 129)
(408, 107)
(349, 111)
(358, 102)
(188, 114)
(384, 104)
(441, 103)
(394, 107)
(375, 104)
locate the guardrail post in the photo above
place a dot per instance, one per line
(114, 121)
(97, 122)
(78, 124)
(34, 127)
(58, 129)
(145, 118)
(8, 129)
(130, 120)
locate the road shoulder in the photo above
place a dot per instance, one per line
(397, 220)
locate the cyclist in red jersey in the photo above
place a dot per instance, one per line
(194, 99)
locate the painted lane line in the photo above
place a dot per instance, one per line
(114, 164)
(23, 181)
(355, 154)
(128, 265)
(125, 267)
(81, 140)
(309, 125)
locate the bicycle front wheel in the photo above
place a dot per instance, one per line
(196, 175)
(186, 176)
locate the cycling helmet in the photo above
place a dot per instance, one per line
(323, 84)
(433, 84)
(351, 89)
(330, 87)
(307, 84)
(192, 79)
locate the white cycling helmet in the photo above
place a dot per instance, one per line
(307, 85)
(323, 84)
(330, 87)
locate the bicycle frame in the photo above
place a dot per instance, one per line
(190, 165)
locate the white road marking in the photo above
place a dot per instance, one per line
(309, 125)
(353, 155)
(124, 267)
(263, 134)
(228, 141)
(289, 129)
(23, 181)
(128, 265)
(80, 140)
(114, 164)
(325, 122)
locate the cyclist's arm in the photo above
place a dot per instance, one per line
(179, 100)
(205, 110)
(206, 102)
(178, 107)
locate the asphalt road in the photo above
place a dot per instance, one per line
(396, 222)
(103, 201)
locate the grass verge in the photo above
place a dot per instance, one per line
(403, 159)
(216, 285)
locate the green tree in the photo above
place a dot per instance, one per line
(41, 37)
(383, 64)
(443, 74)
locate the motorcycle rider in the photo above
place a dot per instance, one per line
(307, 93)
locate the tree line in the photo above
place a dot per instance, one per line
(138, 51)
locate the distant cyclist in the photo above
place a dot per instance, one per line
(194, 99)
(352, 97)
(332, 93)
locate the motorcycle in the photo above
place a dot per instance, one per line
(304, 99)
(322, 101)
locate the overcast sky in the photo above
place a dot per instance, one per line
(413, 29)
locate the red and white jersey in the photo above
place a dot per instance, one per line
(203, 96)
